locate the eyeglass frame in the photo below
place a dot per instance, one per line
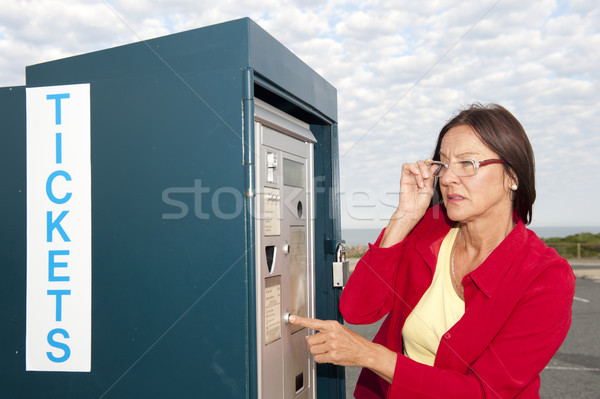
(476, 165)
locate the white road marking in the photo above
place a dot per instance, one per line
(571, 368)
(581, 299)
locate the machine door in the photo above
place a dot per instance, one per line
(284, 253)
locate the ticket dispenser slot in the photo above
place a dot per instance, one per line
(270, 256)
(285, 253)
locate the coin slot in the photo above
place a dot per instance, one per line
(299, 209)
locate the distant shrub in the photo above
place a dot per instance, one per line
(567, 247)
(356, 251)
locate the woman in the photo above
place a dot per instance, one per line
(476, 303)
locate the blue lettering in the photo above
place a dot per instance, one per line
(59, 345)
(57, 98)
(52, 265)
(51, 225)
(59, 147)
(59, 294)
(49, 182)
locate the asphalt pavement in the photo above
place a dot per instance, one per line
(574, 371)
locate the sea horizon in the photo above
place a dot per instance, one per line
(369, 235)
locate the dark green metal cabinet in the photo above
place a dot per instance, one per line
(172, 256)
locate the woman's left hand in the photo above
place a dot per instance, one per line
(335, 343)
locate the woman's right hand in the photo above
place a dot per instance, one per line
(416, 190)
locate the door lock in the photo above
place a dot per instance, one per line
(341, 267)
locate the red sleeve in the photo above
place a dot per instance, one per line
(369, 295)
(511, 364)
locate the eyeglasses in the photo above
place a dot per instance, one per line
(463, 168)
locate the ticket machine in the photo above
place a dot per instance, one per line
(212, 211)
(285, 252)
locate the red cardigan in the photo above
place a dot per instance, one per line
(517, 313)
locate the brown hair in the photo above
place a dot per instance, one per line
(498, 129)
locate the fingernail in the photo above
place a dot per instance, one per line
(292, 318)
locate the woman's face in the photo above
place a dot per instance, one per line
(486, 196)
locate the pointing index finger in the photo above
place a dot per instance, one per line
(313, 324)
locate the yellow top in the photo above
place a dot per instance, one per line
(437, 311)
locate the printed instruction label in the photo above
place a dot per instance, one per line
(272, 309)
(272, 209)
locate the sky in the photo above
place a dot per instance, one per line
(402, 68)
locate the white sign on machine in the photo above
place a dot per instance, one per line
(58, 333)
